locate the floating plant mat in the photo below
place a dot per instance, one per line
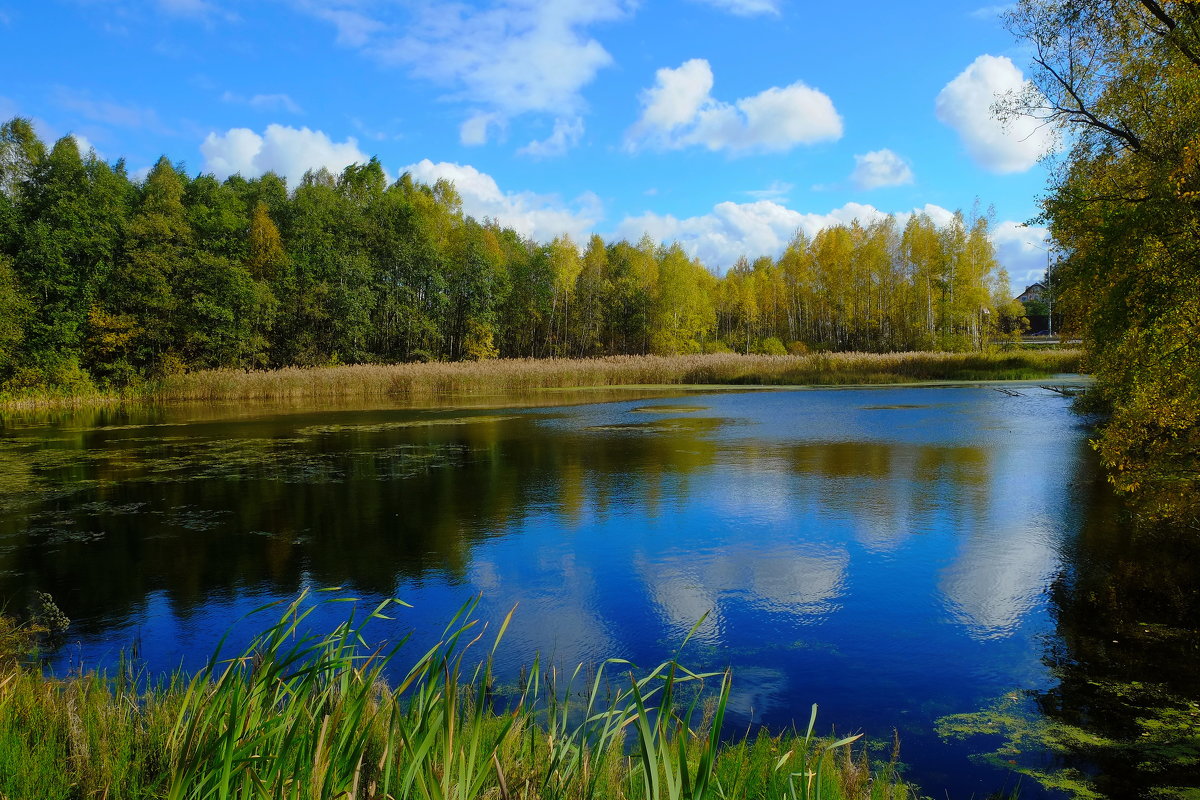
(895, 407)
(691, 424)
(31, 474)
(380, 427)
(668, 409)
(290, 460)
(132, 427)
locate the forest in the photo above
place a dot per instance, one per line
(107, 281)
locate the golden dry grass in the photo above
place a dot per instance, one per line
(431, 381)
(517, 375)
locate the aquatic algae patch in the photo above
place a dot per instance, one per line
(381, 427)
(896, 407)
(681, 424)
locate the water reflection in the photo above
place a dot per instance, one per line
(802, 583)
(999, 576)
(884, 552)
(1128, 638)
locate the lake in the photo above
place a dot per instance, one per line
(895, 555)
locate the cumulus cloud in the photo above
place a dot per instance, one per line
(764, 228)
(84, 144)
(1022, 251)
(745, 8)
(965, 104)
(940, 216)
(679, 111)
(541, 217)
(515, 56)
(731, 230)
(281, 149)
(880, 168)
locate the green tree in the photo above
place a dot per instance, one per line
(72, 213)
(21, 152)
(1121, 79)
(15, 310)
(593, 291)
(159, 245)
(266, 258)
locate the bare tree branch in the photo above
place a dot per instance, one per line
(1081, 113)
(1157, 10)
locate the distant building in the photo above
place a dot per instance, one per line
(1032, 293)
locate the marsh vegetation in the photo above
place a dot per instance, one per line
(505, 378)
(305, 715)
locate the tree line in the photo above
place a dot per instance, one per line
(108, 281)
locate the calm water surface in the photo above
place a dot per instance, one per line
(890, 554)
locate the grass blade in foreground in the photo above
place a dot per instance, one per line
(299, 715)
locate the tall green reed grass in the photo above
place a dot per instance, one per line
(299, 715)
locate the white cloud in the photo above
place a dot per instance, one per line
(566, 134)
(966, 102)
(284, 150)
(940, 216)
(745, 8)
(880, 168)
(764, 228)
(84, 144)
(731, 230)
(541, 217)
(679, 111)
(264, 102)
(510, 58)
(474, 131)
(677, 95)
(1021, 249)
(514, 57)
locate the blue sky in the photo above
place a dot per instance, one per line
(723, 124)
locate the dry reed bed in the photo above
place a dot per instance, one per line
(416, 380)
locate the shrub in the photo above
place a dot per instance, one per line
(771, 346)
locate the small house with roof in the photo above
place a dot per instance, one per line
(1032, 293)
